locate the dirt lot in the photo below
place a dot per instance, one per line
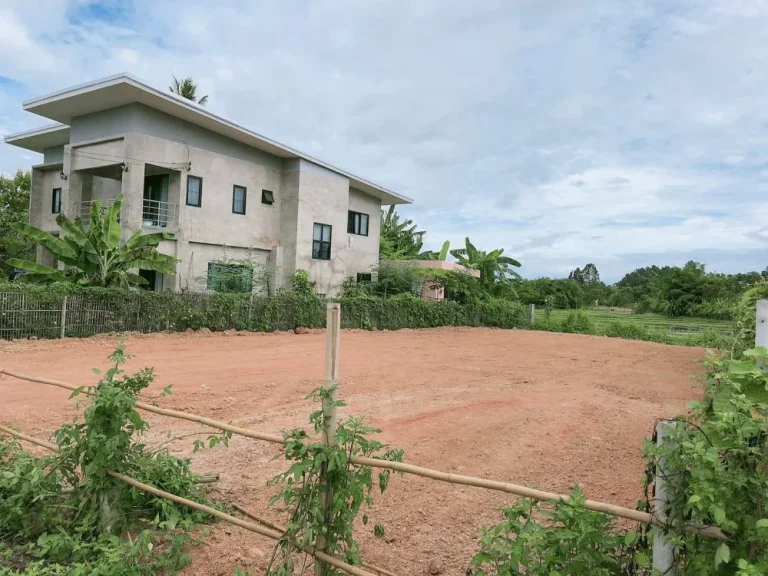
(543, 409)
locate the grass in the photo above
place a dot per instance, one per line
(674, 325)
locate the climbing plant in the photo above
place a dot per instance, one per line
(323, 490)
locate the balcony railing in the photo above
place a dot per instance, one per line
(85, 206)
(158, 214)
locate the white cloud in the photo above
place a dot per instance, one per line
(566, 132)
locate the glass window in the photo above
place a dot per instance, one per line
(229, 277)
(56, 201)
(357, 223)
(238, 199)
(321, 241)
(194, 191)
(267, 197)
(363, 277)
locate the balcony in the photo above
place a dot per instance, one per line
(84, 209)
(157, 214)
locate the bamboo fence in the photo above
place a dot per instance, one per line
(597, 506)
(332, 366)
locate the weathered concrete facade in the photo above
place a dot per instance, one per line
(150, 156)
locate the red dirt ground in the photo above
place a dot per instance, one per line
(549, 410)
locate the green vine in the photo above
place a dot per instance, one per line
(716, 469)
(323, 491)
(98, 525)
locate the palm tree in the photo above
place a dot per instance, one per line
(494, 267)
(187, 88)
(95, 257)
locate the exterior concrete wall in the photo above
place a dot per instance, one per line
(323, 199)
(363, 251)
(150, 142)
(192, 271)
(289, 214)
(107, 153)
(53, 154)
(144, 120)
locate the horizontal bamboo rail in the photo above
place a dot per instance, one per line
(619, 511)
(268, 532)
(30, 439)
(186, 502)
(279, 528)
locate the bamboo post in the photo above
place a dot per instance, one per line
(63, 318)
(663, 550)
(532, 313)
(332, 333)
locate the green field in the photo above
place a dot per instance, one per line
(675, 325)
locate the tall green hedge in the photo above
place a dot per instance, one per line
(29, 310)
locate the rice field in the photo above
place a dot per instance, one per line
(675, 325)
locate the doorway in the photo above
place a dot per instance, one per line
(154, 280)
(155, 205)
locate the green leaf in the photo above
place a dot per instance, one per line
(723, 555)
(762, 523)
(693, 499)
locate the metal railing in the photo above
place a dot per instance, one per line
(159, 214)
(84, 209)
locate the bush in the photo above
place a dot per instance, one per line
(628, 330)
(579, 322)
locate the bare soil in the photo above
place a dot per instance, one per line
(549, 410)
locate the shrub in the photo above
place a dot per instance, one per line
(542, 540)
(628, 330)
(579, 322)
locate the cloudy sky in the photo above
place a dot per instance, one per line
(619, 132)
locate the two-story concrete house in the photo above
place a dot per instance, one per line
(226, 193)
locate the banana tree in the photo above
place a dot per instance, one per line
(493, 266)
(95, 256)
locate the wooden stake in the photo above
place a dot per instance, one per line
(620, 511)
(332, 334)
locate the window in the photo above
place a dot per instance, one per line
(362, 277)
(56, 201)
(321, 242)
(194, 191)
(229, 277)
(238, 199)
(357, 223)
(267, 197)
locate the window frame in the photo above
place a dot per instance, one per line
(245, 198)
(355, 222)
(317, 254)
(200, 192)
(268, 200)
(213, 280)
(368, 277)
(56, 201)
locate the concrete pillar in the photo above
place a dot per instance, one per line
(133, 195)
(275, 262)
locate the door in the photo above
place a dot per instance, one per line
(155, 208)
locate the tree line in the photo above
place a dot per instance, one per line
(688, 290)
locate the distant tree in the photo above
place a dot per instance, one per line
(95, 256)
(14, 210)
(187, 88)
(587, 275)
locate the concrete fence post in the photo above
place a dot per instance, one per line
(532, 313)
(663, 550)
(63, 317)
(332, 334)
(761, 326)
